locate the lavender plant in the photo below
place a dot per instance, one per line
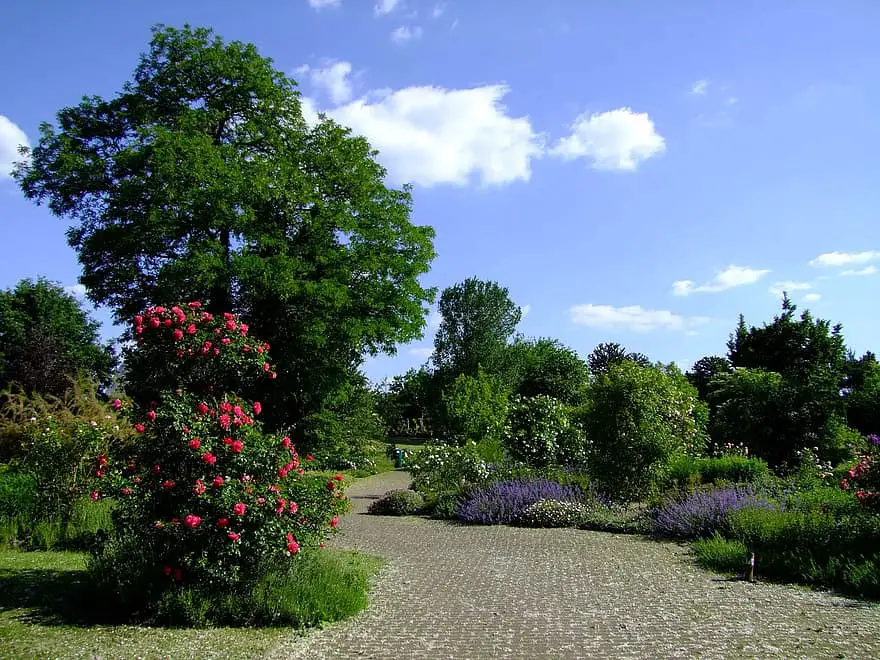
(704, 512)
(504, 502)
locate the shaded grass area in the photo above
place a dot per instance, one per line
(47, 609)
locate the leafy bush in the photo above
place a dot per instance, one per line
(638, 420)
(474, 408)
(720, 555)
(439, 469)
(553, 513)
(401, 502)
(704, 512)
(208, 500)
(534, 425)
(864, 478)
(503, 503)
(812, 546)
(616, 518)
(687, 470)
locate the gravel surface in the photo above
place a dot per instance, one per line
(453, 591)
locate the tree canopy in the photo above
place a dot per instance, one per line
(201, 180)
(46, 338)
(608, 354)
(478, 319)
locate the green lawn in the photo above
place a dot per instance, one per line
(44, 612)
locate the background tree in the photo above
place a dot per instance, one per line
(405, 404)
(47, 338)
(478, 319)
(546, 367)
(201, 180)
(704, 370)
(608, 354)
(474, 409)
(863, 394)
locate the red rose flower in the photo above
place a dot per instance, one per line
(199, 488)
(195, 304)
(155, 323)
(178, 574)
(203, 408)
(258, 407)
(236, 446)
(167, 323)
(140, 428)
(338, 477)
(218, 481)
(168, 484)
(334, 521)
(191, 329)
(222, 522)
(117, 404)
(178, 334)
(233, 536)
(266, 366)
(225, 421)
(294, 507)
(167, 571)
(195, 443)
(138, 320)
(209, 458)
(151, 415)
(239, 509)
(192, 521)
(95, 495)
(126, 491)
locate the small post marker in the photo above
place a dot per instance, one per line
(750, 571)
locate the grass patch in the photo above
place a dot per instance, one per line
(720, 555)
(47, 609)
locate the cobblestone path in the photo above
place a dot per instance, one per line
(452, 591)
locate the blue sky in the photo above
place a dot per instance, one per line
(632, 171)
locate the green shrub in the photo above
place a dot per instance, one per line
(439, 469)
(638, 420)
(474, 408)
(720, 555)
(552, 513)
(18, 504)
(687, 471)
(617, 519)
(534, 426)
(399, 502)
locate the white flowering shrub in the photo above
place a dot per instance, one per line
(533, 429)
(553, 513)
(439, 469)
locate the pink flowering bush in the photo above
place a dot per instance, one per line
(864, 479)
(208, 503)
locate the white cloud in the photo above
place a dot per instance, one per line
(438, 10)
(423, 352)
(839, 259)
(730, 277)
(431, 135)
(75, 290)
(811, 297)
(385, 7)
(700, 87)
(321, 4)
(615, 140)
(434, 319)
(867, 270)
(779, 287)
(11, 137)
(332, 79)
(633, 317)
(405, 33)
(524, 311)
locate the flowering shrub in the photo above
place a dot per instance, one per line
(504, 502)
(207, 499)
(399, 502)
(439, 469)
(705, 511)
(864, 479)
(553, 513)
(533, 429)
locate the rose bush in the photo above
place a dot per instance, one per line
(208, 500)
(864, 479)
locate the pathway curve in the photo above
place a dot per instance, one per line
(452, 591)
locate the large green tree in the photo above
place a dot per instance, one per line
(546, 367)
(609, 354)
(478, 319)
(202, 180)
(47, 338)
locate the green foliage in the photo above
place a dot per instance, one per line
(687, 471)
(705, 370)
(478, 318)
(201, 180)
(546, 367)
(208, 500)
(814, 546)
(720, 555)
(638, 420)
(443, 469)
(863, 395)
(47, 339)
(405, 404)
(533, 429)
(474, 408)
(401, 502)
(608, 354)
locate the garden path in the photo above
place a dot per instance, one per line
(452, 591)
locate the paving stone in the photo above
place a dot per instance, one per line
(456, 591)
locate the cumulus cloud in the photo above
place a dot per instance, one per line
(524, 311)
(11, 138)
(405, 33)
(423, 352)
(615, 140)
(438, 10)
(331, 79)
(385, 7)
(841, 259)
(632, 317)
(700, 87)
(811, 297)
(432, 135)
(730, 277)
(779, 287)
(322, 4)
(75, 290)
